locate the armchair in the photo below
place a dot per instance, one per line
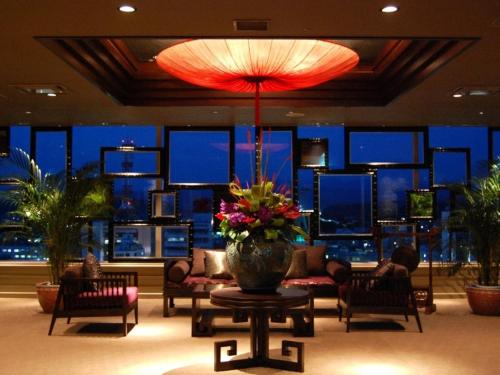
(113, 294)
(372, 294)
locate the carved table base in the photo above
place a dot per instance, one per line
(259, 338)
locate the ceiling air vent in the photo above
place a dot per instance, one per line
(42, 89)
(251, 25)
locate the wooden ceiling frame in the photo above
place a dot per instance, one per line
(400, 65)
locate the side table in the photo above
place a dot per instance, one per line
(259, 307)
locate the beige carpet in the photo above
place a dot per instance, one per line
(454, 342)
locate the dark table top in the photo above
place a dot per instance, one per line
(283, 298)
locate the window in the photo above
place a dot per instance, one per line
(130, 197)
(335, 136)
(353, 250)
(132, 161)
(88, 140)
(50, 150)
(199, 157)
(19, 138)
(277, 157)
(450, 166)
(387, 147)
(163, 204)
(345, 204)
(392, 186)
(151, 241)
(471, 137)
(244, 154)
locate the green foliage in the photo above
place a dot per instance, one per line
(258, 211)
(57, 208)
(481, 215)
(421, 204)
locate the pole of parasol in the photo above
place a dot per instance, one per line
(259, 135)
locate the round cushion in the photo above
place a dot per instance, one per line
(406, 256)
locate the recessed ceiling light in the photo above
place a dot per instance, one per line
(458, 95)
(390, 9)
(479, 92)
(481, 113)
(28, 112)
(51, 94)
(125, 8)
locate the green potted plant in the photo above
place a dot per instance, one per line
(56, 209)
(481, 216)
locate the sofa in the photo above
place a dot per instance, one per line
(309, 269)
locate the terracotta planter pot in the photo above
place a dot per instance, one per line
(484, 300)
(47, 295)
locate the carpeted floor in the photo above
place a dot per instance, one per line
(454, 342)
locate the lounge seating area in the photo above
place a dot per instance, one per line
(309, 269)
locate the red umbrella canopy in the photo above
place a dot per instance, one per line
(239, 64)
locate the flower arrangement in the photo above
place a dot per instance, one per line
(258, 210)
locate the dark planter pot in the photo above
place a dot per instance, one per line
(47, 295)
(484, 300)
(259, 265)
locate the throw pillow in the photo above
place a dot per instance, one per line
(338, 271)
(216, 266)
(198, 268)
(315, 259)
(406, 256)
(92, 269)
(298, 267)
(178, 271)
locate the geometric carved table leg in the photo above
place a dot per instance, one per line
(201, 320)
(259, 345)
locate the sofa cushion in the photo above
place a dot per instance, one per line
(107, 297)
(216, 266)
(178, 271)
(400, 271)
(315, 259)
(74, 271)
(92, 269)
(192, 281)
(339, 272)
(298, 267)
(406, 256)
(198, 268)
(310, 281)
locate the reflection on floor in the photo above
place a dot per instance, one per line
(454, 342)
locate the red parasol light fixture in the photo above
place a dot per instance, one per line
(257, 65)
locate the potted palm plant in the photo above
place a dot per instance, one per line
(57, 210)
(481, 216)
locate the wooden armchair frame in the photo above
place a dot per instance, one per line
(377, 295)
(106, 296)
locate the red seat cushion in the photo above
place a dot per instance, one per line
(191, 281)
(310, 281)
(108, 297)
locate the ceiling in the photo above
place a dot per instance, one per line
(27, 61)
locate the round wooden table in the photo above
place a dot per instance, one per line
(259, 307)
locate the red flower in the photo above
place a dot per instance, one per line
(248, 219)
(281, 209)
(220, 216)
(245, 203)
(292, 214)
